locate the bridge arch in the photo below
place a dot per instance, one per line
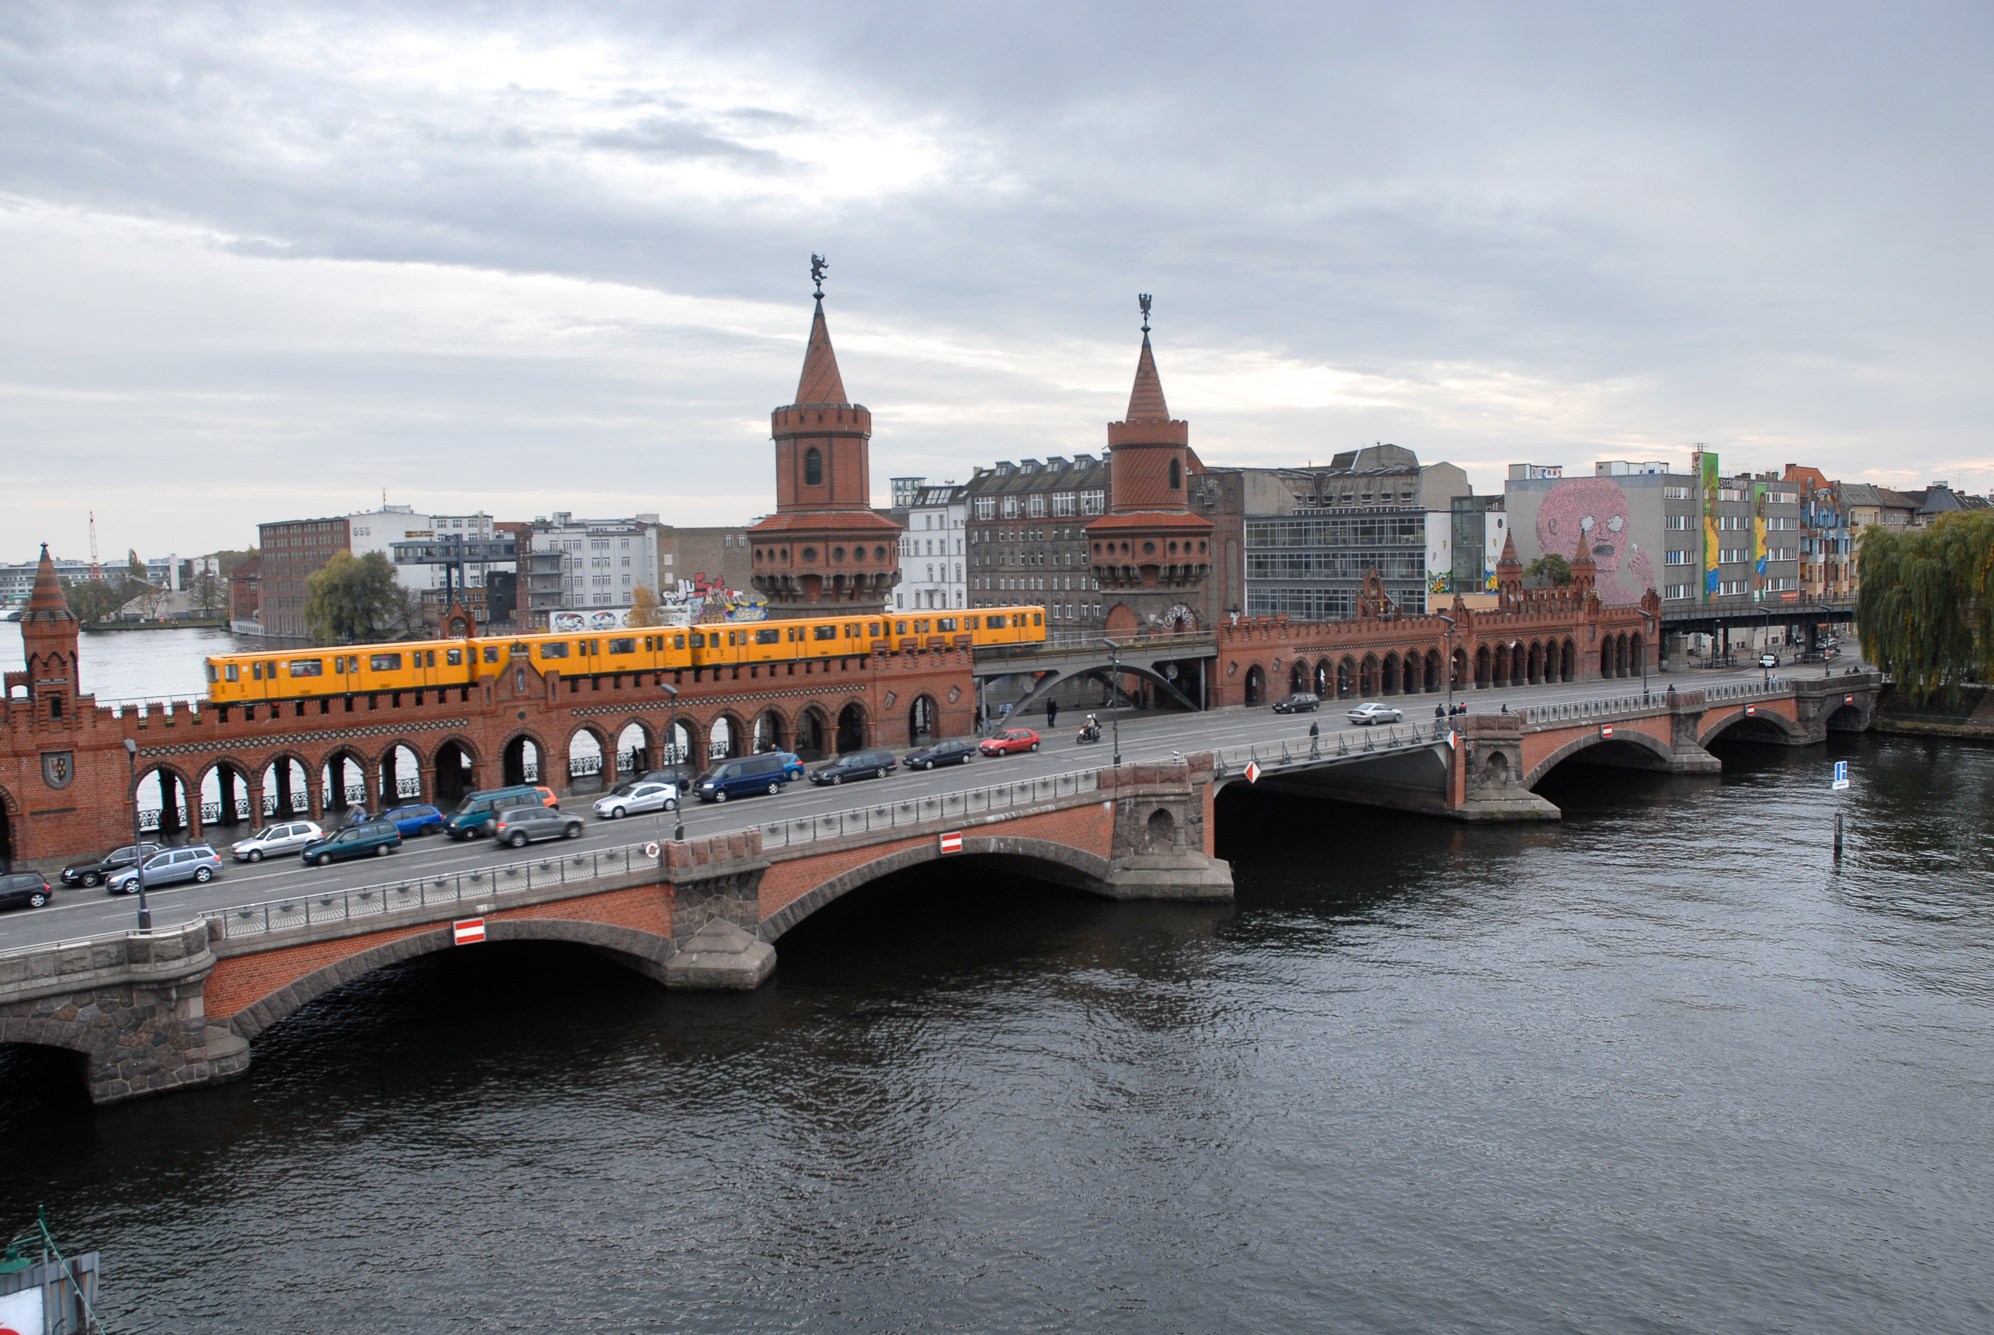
(1256, 684)
(1299, 676)
(1764, 725)
(400, 772)
(771, 732)
(285, 778)
(168, 801)
(336, 779)
(922, 718)
(523, 758)
(646, 952)
(1569, 662)
(1038, 859)
(1482, 665)
(634, 748)
(1393, 680)
(454, 769)
(1627, 747)
(233, 800)
(75, 1037)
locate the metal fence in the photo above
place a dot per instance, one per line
(1345, 742)
(328, 906)
(1585, 710)
(921, 811)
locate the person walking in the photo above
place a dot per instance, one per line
(1051, 715)
(1315, 738)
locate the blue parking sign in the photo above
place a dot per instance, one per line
(1841, 775)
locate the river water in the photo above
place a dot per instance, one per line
(144, 664)
(1658, 1067)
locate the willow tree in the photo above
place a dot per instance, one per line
(1926, 609)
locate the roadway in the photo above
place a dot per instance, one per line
(78, 912)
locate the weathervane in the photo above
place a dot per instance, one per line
(817, 266)
(1142, 300)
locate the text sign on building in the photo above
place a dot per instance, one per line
(952, 842)
(467, 931)
(1841, 775)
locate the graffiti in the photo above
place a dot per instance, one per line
(1596, 508)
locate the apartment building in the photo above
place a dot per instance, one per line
(1025, 525)
(933, 543)
(602, 561)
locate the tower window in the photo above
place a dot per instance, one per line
(813, 468)
(1176, 475)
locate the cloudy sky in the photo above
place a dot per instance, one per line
(262, 261)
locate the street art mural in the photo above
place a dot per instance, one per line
(1597, 508)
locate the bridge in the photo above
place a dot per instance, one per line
(182, 1005)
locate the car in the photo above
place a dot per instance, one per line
(418, 819)
(681, 777)
(1301, 702)
(628, 799)
(377, 838)
(169, 866)
(282, 837)
(519, 826)
(548, 797)
(792, 763)
(1371, 713)
(475, 814)
(1768, 660)
(870, 764)
(1009, 742)
(29, 889)
(765, 773)
(955, 751)
(94, 870)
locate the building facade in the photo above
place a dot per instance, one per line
(933, 545)
(602, 561)
(1027, 542)
(293, 551)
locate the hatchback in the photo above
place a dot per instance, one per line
(377, 838)
(1010, 742)
(955, 751)
(284, 837)
(629, 799)
(418, 819)
(27, 889)
(520, 826)
(171, 866)
(1375, 713)
(856, 765)
(1301, 702)
(93, 871)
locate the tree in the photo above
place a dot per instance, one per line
(1926, 609)
(643, 607)
(1551, 568)
(349, 599)
(94, 600)
(134, 568)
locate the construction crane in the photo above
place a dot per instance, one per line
(96, 569)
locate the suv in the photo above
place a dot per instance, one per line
(520, 826)
(478, 810)
(287, 837)
(24, 887)
(377, 837)
(956, 751)
(856, 765)
(169, 866)
(94, 872)
(1301, 702)
(765, 773)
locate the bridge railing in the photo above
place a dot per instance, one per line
(1577, 711)
(922, 811)
(368, 901)
(1344, 742)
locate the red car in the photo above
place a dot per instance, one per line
(1009, 742)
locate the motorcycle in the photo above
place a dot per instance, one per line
(1089, 733)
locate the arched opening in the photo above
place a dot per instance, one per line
(342, 783)
(6, 833)
(584, 761)
(1495, 770)
(1394, 675)
(813, 467)
(1750, 730)
(811, 730)
(1482, 665)
(401, 774)
(769, 732)
(1346, 678)
(1162, 828)
(1367, 676)
(723, 740)
(1569, 663)
(1846, 719)
(225, 797)
(633, 750)
(1536, 664)
(1627, 752)
(455, 774)
(1606, 658)
(1519, 663)
(162, 804)
(1635, 649)
(851, 729)
(1256, 685)
(286, 792)
(921, 717)
(1325, 679)
(1432, 671)
(519, 762)
(1459, 668)
(1298, 677)
(1122, 619)
(680, 748)
(1176, 475)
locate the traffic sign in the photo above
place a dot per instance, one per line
(952, 842)
(1253, 771)
(1606, 729)
(1841, 775)
(467, 931)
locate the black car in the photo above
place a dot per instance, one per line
(377, 838)
(24, 889)
(95, 870)
(956, 751)
(856, 765)
(1301, 702)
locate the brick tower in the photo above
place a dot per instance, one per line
(823, 551)
(1150, 553)
(48, 642)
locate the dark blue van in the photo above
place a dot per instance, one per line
(765, 773)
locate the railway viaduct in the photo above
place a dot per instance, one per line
(180, 1007)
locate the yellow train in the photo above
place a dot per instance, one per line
(415, 664)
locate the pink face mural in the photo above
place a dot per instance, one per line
(1597, 508)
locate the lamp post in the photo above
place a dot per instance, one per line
(138, 849)
(671, 749)
(1648, 620)
(1115, 695)
(1450, 661)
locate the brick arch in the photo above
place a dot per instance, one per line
(359, 759)
(1630, 736)
(1730, 718)
(1039, 858)
(646, 952)
(522, 734)
(463, 743)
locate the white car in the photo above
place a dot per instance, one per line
(283, 837)
(630, 799)
(1374, 713)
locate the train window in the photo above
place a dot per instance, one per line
(231, 672)
(556, 649)
(796, 633)
(698, 640)
(899, 628)
(824, 632)
(969, 623)
(851, 630)
(624, 645)
(1038, 618)
(594, 646)
(678, 641)
(307, 667)
(384, 662)
(874, 630)
(921, 627)
(994, 622)
(432, 658)
(491, 653)
(453, 657)
(270, 672)
(256, 672)
(945, 623)
(213, 676)
(772, 635)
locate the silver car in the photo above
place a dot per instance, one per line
(629, 799)
(285, 837)
(1375, 713)
(174, 865)
(519, 826)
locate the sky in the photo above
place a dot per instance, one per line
(268, 261)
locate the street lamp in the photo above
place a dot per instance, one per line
(138, 849)
(1115, 695)
(671, 749)
(1450, 661)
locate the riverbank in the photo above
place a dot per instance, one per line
(1971, 716)
(210, 623)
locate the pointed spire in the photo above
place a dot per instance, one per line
(1509, 556)
(1146, 398)
(820, 382)
(46, 603)
(1584, 552)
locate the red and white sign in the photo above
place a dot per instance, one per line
(1606, 729)
(1848, 699)
(952, 842)
(21, 1313)
(1751, 710)
(468, 931)
(1253, 771)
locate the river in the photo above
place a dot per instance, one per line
(144, 664)
(1657, 1067)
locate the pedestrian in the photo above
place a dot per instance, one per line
(1440, 711)
(1315, 737)
(1051, 714)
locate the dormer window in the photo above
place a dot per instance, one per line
(813, 467)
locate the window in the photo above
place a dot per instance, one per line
(623, 645)
(1675, 591)
(1731, 588)
(986, 507)
(307, 667)
(1064, 504)
(559, 649)
(823, 632)
(1675, 558)
(1035, 505)
(385, 662)
(813, 467)
(1176, 475)
(1093, 502)
(1010, 507)
(1676, 523)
